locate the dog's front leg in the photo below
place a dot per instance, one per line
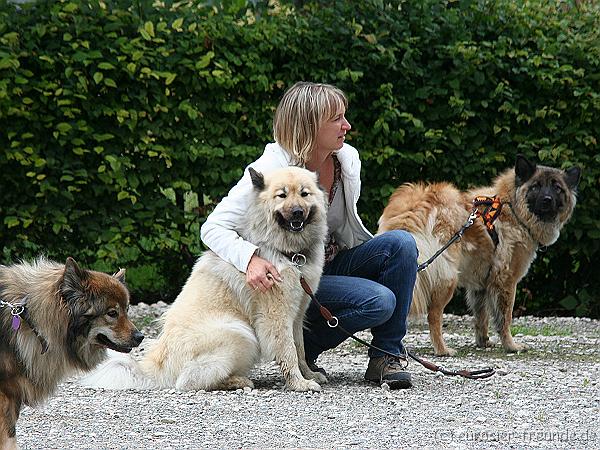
(503, 318)
(9, 413)
(8, 443)
(299, 341)
(478, 302)
(440, 297)
(278, 333)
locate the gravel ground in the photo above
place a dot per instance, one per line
(548, 397)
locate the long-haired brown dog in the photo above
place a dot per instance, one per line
(536, 202)
(55, 320)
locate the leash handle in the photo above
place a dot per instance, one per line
(470, 374)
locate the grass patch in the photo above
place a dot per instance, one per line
(143, 322)
(545, 330)
(573, 354)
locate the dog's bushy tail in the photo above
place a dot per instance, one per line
(119, 371)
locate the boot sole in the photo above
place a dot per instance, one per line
(393, 384)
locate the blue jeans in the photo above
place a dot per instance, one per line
(368, 286)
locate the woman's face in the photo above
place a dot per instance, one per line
(332, 133)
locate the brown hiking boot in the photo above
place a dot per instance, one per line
(389, 370)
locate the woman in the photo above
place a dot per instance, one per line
(367, 281)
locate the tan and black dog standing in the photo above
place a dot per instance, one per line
(536, 201)
(55, 320)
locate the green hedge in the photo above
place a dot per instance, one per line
(122, 126)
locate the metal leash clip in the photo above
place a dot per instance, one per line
(15, 312)
(298, 259)
(470, 221)
(472, 218)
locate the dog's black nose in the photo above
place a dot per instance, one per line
(137, 337)
(297, 213)
(547, 202)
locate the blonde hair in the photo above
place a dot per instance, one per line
(300, 113)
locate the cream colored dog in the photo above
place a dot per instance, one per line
(218, 326)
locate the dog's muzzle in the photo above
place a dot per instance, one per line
(295, 222)
(545, 208)
(136, 339)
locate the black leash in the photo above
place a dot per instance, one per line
(493, 208)
(470, 221)
(333, 322)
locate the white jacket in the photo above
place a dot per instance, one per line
(221, 230)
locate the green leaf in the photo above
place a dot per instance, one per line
(70, 7)
(170, 78)
(63, 127)
(103, 137)
(149, 28)
(46, 58)
(98, 76)
(9, 63)
(205, 60)
(177, 23)
(569, 302)
(11, 221)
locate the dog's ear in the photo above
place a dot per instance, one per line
(258, 179)
(74, 280)
(120, 276)
(572, 177)
(524, 169)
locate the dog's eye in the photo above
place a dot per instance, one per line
(558, 188)
(305, 194)
(113, 313)
(282, 195)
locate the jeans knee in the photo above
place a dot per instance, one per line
(382, 305)
(402, 243)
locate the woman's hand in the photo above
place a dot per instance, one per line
(261, 274)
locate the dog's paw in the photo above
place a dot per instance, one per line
(483, 342)
(318, 377)
(303, 385)
(236, 382)
(446, 351)
(514, 348)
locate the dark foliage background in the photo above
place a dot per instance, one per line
(122, 124)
